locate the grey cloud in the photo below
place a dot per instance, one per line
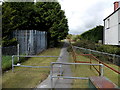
(92, 17)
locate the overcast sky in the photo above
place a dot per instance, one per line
(86, 14)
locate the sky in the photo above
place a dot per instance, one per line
(83, 15)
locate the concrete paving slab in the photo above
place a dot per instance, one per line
(59, 83)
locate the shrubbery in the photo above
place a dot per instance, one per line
(109, 49)
(85, 44)
(94, 34)
(11, 42)
(7, 61)
(99, 47)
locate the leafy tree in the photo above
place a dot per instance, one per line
(43, 16)
(14, 18)
(69, 36)
(55, 22)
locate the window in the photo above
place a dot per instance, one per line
(108, 24)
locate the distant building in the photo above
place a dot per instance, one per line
(112, 26)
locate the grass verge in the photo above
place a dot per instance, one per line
(7, 62)
(85, 71)
(30, 77)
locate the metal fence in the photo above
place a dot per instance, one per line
(31, 42)
(11, 50)
(106, 57)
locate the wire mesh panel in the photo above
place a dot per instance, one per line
(31, 41)
(11, 50)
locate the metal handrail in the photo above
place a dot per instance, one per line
(99, 60)
(13, 65)
(68, 77)
(32, 56)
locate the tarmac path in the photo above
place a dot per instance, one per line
(66, 71)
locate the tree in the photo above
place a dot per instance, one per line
(94, 34)
(54, 20)
(43, 16)
(15, 18)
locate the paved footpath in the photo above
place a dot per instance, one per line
(59, 83)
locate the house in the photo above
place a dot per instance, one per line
(112, 26)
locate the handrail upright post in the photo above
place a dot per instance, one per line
(101, 70)
(60, 69)
(13, 63)
(51, 74)
(18, 52)
(90, 61)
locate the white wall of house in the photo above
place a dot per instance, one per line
(118, 27)
(111, 29)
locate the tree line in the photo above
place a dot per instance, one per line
(42, 16)
(94, 34)
(90, 38)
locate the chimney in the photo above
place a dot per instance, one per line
(116, 5)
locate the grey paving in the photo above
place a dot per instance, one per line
(66, 71)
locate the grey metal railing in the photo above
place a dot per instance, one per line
(19, 65)
(112, 58)
(68, 77)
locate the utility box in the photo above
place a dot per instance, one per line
(98, 83)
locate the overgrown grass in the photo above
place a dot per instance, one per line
(82, 71)
(85, 71)
(30, 77)
(7, 62)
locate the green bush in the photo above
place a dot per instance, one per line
(109, 49)
(11, 42)
(69, 36)
(7, 61)
(99, 47)
(69, 49)
(94, 34)
(85, 44)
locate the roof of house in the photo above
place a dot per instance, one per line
(112, 13)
